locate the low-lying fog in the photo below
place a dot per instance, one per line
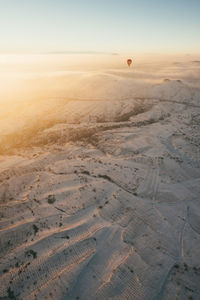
(39, 91)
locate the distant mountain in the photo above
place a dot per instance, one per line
(80, 52)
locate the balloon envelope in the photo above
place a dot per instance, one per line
(129, 62)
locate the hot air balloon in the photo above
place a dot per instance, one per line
(129, 62)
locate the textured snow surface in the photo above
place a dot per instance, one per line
(99, 191)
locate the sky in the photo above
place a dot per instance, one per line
(43, 26)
